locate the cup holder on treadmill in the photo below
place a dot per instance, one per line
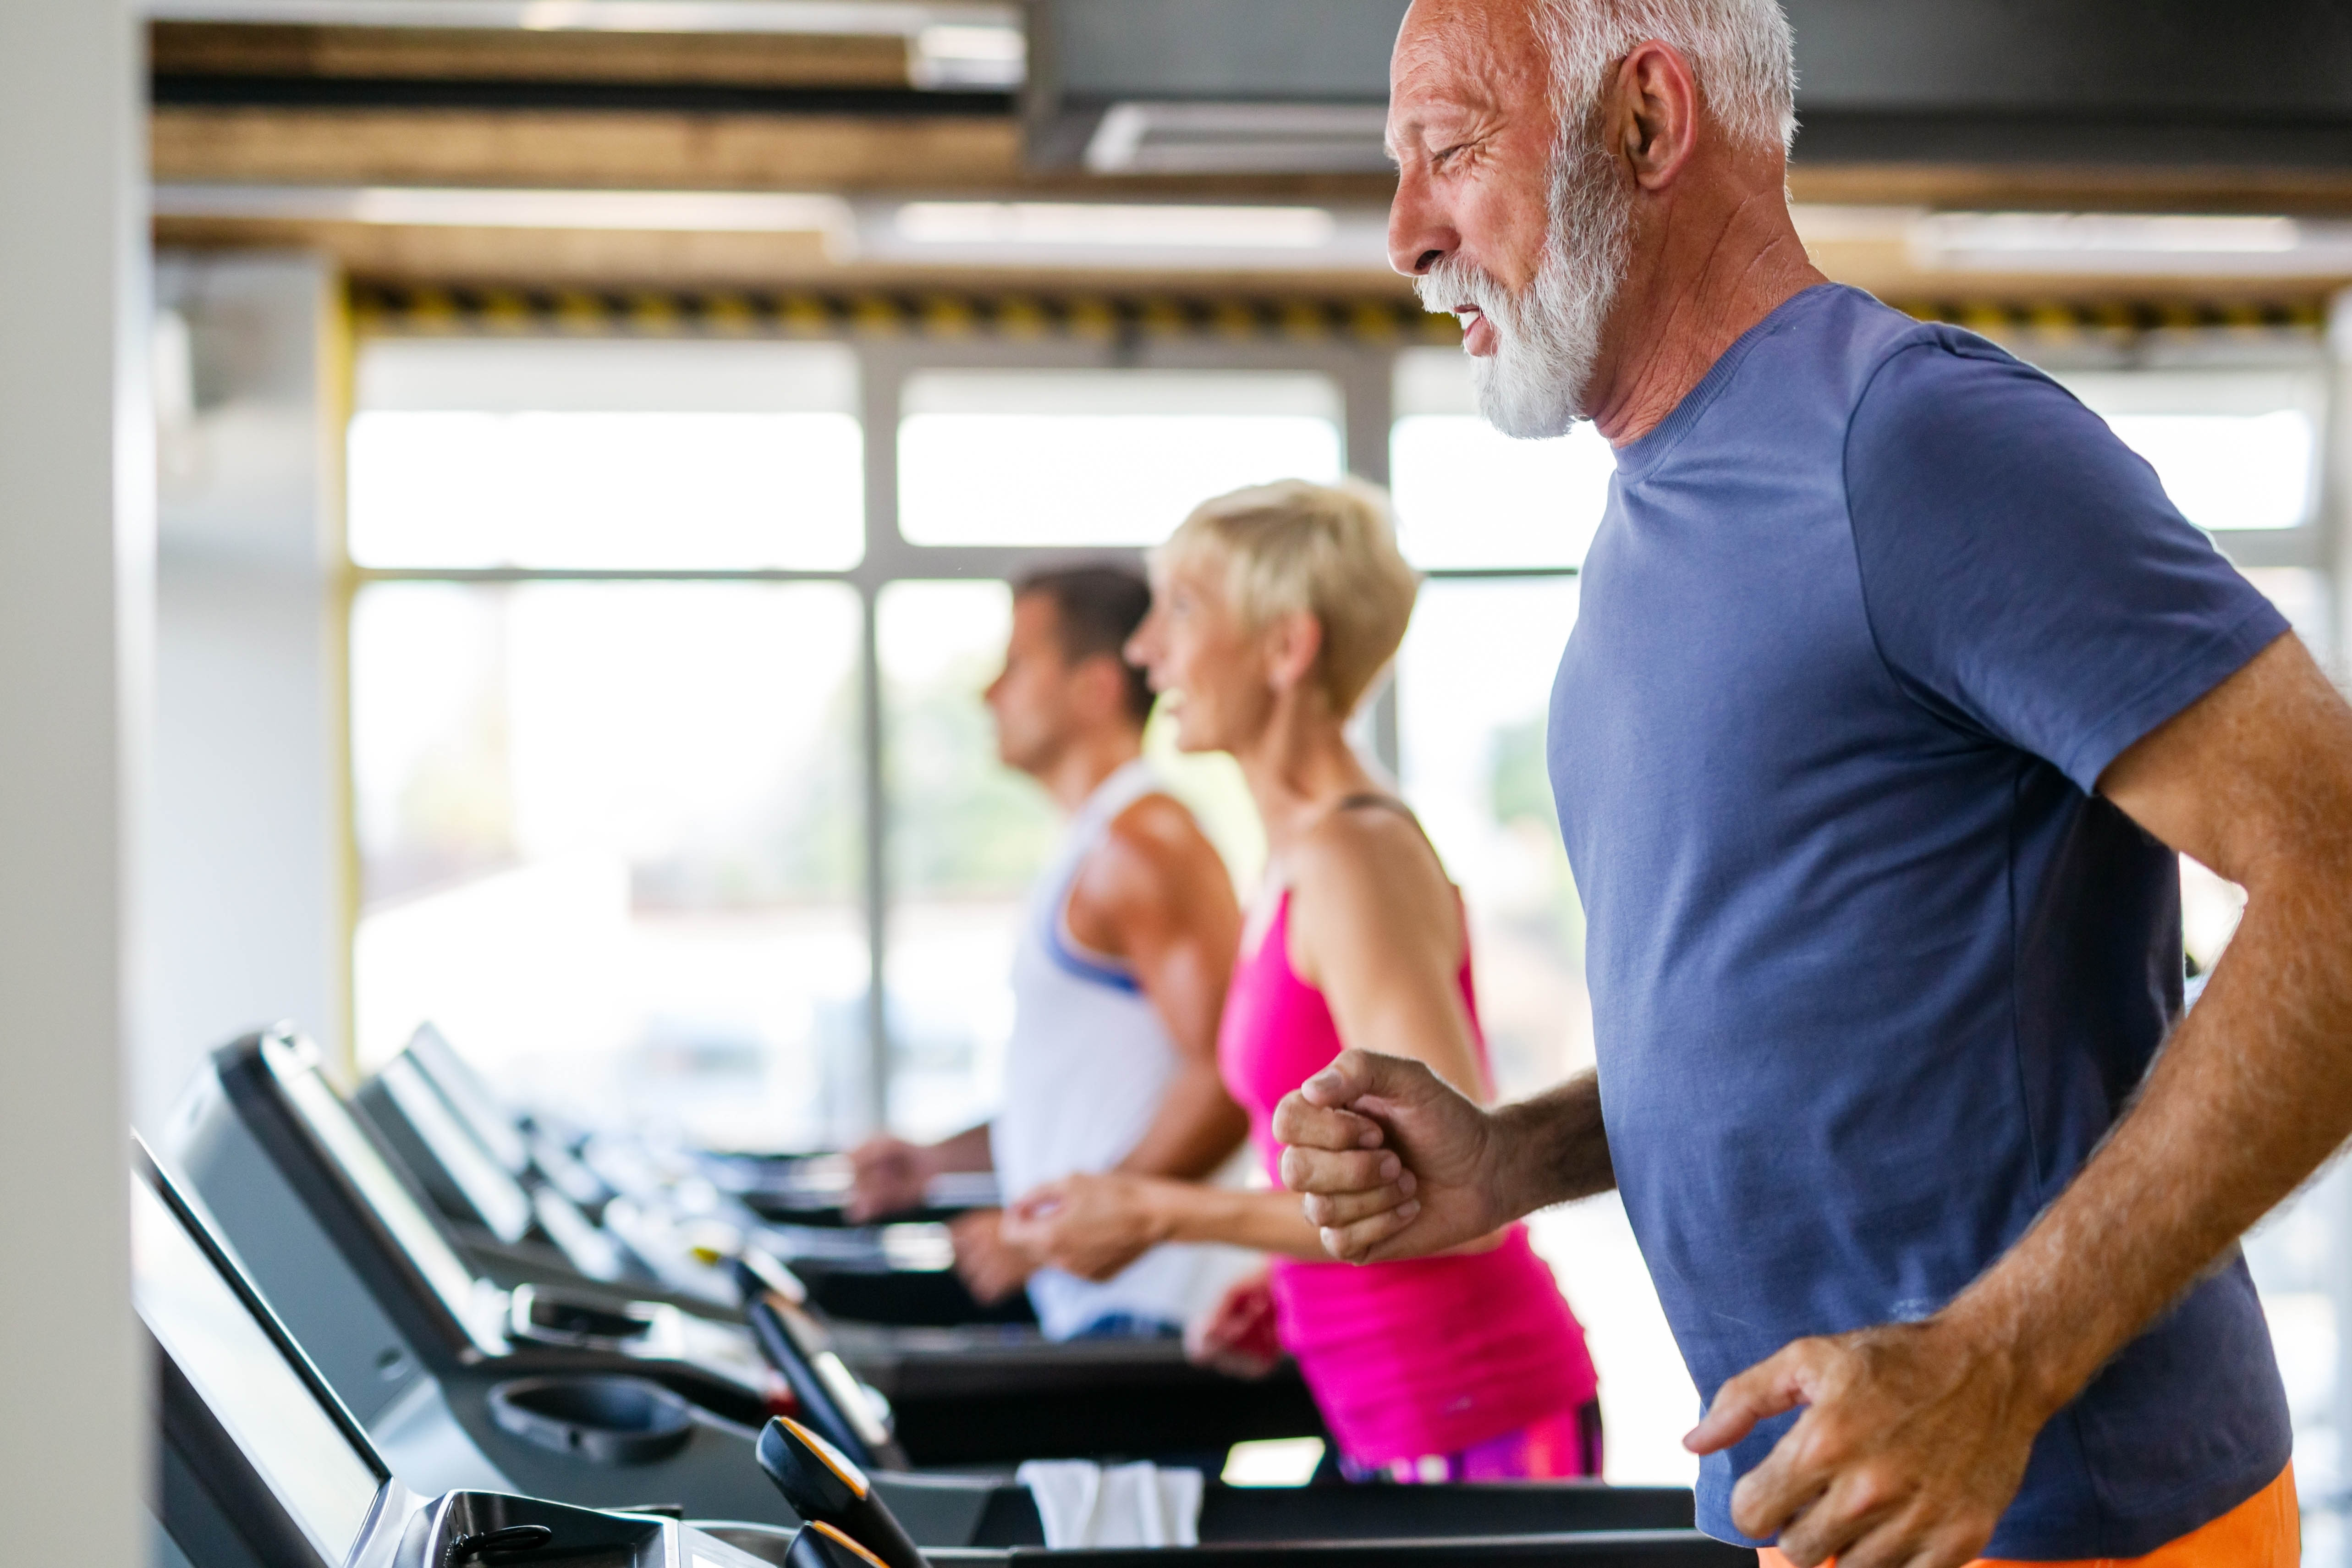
(607, 1420)
(553, 1318)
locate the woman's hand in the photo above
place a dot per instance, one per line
(1089, 1224)
(1237, 1335)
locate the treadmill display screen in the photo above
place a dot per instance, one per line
(470, 1096)
(497, 1196)
(394, 1205)
(296, 1446)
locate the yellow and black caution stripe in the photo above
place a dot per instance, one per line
(415, 310)
(2120, 317)
(394, 309)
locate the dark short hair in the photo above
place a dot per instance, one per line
(1095, 610)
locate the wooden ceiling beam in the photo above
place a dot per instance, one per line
(454, 54)
(626, 260)
(846, 153)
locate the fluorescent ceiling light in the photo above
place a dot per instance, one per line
(2130, 244)
(843, 17)
(1239, 138)
(700, 212)
(1105, 225)
(1828, 223)
(968, 56)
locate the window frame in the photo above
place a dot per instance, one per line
(1362, 370)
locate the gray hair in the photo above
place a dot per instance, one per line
(1741, 51)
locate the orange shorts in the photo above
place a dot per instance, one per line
(2263, 1531)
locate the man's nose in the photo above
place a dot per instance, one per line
(1419, 236)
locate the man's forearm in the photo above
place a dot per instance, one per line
(1552, 1148)
(967, 1151)
(2251, 1095)
(1195, 1130)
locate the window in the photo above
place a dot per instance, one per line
(645, 456)
(965, 837)
(609, 842)
(1469, 497)
(1099, 457)
(2237, 449)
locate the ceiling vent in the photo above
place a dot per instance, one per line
(1238, 139)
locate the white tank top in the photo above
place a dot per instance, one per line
(1085, 1071)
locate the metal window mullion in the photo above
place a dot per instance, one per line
(880, 380)
(1368, 388)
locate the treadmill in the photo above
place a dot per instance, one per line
(260, 1466)
(447, 1372)
(973, 1394)
(377, 1291)
(899, 1274)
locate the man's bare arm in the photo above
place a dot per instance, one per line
(887, 1175)
(1916, 1436)
(1157, 895)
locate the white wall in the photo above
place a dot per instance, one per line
(244, 904)
(75, 535)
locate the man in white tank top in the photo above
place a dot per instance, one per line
(1119, 979)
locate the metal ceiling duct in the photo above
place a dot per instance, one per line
(1300, 86)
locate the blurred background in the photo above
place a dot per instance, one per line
(595, 438)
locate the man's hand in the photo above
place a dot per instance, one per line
(887, 1176)
(1394, 1161)
(1913, 1444)
(991, 1266)
(1090, 1224)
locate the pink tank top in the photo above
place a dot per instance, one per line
(1427, 1356)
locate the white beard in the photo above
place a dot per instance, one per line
(1548, 336)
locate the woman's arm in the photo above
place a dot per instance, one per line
(1095, 1225)
(1375, 927)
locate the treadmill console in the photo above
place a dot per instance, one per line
(271, 1414)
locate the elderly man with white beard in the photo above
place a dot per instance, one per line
(1896, 688)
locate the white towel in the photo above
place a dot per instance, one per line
(1084, 1504)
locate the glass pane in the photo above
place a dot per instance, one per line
(1099, 457)
(610, 839)
(607, 456)
(2236, 449)
(966, 834)
(1474, 686)
(1469, 496)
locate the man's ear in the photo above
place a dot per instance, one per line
(1102, 678)
(1653, 116)
(1294, 642)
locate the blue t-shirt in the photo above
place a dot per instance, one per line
(1872, 966)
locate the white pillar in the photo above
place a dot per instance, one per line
(245, 893)
(75, 527)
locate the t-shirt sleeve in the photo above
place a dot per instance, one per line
(2023, 571)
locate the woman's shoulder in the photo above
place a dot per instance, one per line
(1366, 845)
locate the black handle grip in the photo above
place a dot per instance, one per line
(824, 1486)
(784, 1352)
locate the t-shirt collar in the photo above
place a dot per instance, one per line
(1636, 461)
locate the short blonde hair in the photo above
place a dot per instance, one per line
(1329, 550)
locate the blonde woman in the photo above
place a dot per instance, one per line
(1274, 610)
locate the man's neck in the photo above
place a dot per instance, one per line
(1711, 273)
(1079, 769)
